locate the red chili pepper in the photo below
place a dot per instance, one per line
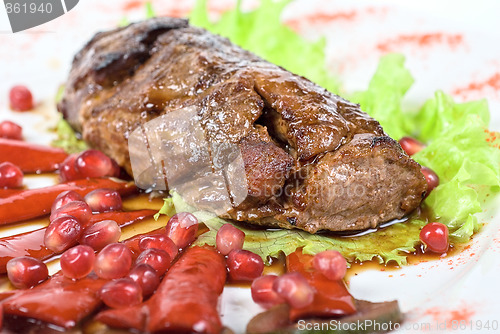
(31, 158)
(33, 203)
(60, 300)
(5, 192)
(186, 300)
(331, 298)
(31, 243)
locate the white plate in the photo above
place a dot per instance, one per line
(461, 48)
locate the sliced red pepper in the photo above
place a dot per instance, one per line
(31, 158)
(33, 203)
(4, 192)
(31, 243)
(59, 300)
(331, 298)
(185, 302)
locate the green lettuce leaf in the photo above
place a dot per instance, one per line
(467, 164)
(67, 138)
(382, 100)
(392, 244)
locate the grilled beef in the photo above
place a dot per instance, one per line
(313, 160)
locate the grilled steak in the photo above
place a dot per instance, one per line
(313, 160)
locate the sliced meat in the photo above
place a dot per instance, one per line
(305, 150)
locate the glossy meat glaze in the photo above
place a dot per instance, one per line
(313, 160)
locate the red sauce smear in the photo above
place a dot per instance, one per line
(31, 243)
(331, 299)
(451, 317)
(492, 82)
(321, 19)
(185, 302)
(134, 4)
(493, 138)
(29, 157)
(422, 40)
(33, 203)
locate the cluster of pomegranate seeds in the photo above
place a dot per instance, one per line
(410, 145)
(101, 234)
(11, 130)
(229, 238)
(11, 176)
(158, 259)
(159, 241)
(121, 293)
(295, 289)
(88, 164)
(244, 265)
(147, 278)
(77, 262)
(435, 237)
(182, 228)
(263, 293)
(20, 98)
(62, 233)
(113, 261)
(331, 264)
(104, 200)
(431, 178)
(25, 272)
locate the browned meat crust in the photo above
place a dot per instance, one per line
(313, 160)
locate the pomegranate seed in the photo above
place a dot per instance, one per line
(25, 272)
(229, 238)
(62, 233)
(182, 228)
(113, 261)
(101, 234)
(115, 170)
(159, 241)
(295, 289)
(121, 293)
(11, 176)
(331, 264)
(244, 265)
(11, 130)
(147, 277)
(66, 197)
(68, 171)
(435, 237)
(410, 145)
(431, 178)
(78, 209)
(20, 98)
(263, 293)
(77, 262)
(93, 163)
(156, 258)
(104, 200)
